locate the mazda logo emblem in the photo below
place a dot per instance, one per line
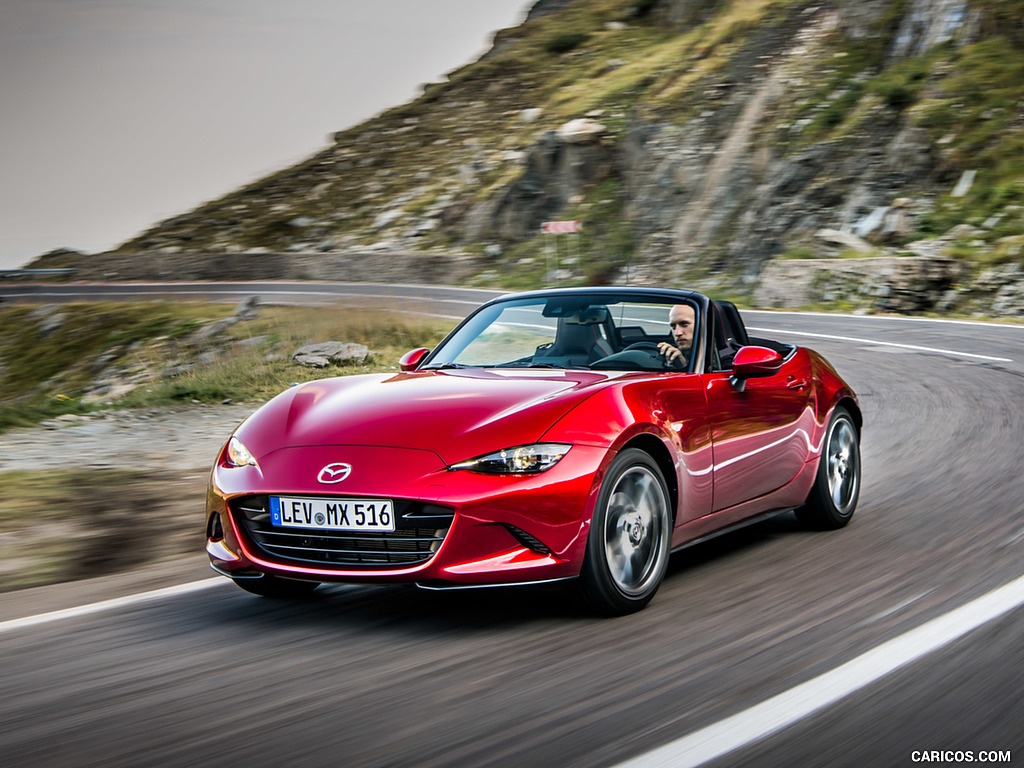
(334, 473)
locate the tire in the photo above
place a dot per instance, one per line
(833, 497)
(628, 545)
(278, 588)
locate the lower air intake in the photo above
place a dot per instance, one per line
(420, 530)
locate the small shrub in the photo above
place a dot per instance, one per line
(200, 392)
(899, 89)
(800, 252)
(644, 7)
(566, 42)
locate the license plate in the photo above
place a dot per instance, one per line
(332, 514)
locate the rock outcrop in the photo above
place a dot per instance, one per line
(890, 284)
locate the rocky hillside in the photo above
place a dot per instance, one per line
(697, 141)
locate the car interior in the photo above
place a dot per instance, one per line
(601, 334)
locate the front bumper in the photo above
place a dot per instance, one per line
(499, 529)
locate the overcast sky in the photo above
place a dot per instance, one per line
(115, 114)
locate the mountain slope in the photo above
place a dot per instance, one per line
(694, 139)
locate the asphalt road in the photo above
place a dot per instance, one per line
(392, 676)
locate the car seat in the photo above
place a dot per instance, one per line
(577, 344)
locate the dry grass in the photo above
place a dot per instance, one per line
(58, 526)
(45, 373)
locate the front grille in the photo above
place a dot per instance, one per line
(419, 530)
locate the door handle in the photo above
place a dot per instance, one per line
(796, 384)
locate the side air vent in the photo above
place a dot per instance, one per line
(528, 541)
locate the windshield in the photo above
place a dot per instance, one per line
(597, 332)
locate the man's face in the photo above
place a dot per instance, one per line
(681, 320)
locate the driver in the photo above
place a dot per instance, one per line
(681, 319)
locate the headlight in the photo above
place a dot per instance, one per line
(238, 454)
(521, 460)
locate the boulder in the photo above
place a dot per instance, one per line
(211, 330)
(247, 309)
(580, 131)
(324, 353)
(49, 319)
(845, 239)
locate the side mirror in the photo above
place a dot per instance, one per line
(754, 363)
(410, 360)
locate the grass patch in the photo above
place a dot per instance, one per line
(800, 252)
(56, 343)
(27, 414)
(565, 42)
(254, 361)
(973, 107)
(57, 526)
(973, 112)
(148, 348)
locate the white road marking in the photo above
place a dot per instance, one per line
(746, 727)
(253, 292)
(1014, 540)
(896, 608)
(913, 347)
(896, 318)
(109, 605)
(781, 711)
(458, 318)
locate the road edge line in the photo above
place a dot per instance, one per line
(107, 605)
(785, 709)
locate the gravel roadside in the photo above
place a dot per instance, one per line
(71, 512)
(165, 438)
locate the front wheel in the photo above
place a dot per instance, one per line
(628, 545)
(275, 587)
(833, 498)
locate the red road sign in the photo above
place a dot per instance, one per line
(561, 227)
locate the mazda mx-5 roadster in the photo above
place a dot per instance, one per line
(577, 435)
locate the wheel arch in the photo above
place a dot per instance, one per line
(853, 409)
(656, 449)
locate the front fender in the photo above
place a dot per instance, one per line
(666, 416)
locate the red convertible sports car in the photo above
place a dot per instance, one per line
(575, 434)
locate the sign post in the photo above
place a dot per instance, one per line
(560, 228)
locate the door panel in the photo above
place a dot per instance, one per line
(761, 436)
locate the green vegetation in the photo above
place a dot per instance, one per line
(899, 86)
(52, 358)
(448, 155)
(244, 372)
(800, 252)
(50, 354)
(565, 42)
(118, 520)
(973, 112)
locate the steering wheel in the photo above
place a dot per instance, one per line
(649, 346)
(652, 348)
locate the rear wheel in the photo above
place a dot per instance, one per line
(273, 586)
(836, 489)
(628, 546)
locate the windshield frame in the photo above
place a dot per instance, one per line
(447, 352)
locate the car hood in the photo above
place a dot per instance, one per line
(458, 414)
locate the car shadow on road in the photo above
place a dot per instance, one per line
(726, 546)
(406, 608)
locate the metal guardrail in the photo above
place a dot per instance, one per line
(5, 273)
